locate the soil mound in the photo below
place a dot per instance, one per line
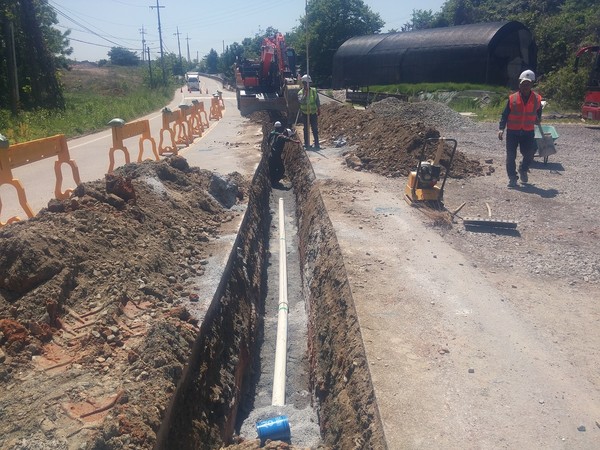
(95, 284)
(388, 137)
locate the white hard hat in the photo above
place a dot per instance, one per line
(306, 78)
(527, 75)
(277, 124)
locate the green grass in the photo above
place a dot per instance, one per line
(412, 90)
(486, 101)
(93, 97)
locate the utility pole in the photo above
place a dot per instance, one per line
(143, 33)
(188, 47)
(162, 55)
(306, 31)
(150, 68)
(13, 76)
(179, 47)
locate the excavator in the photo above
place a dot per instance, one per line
(271, 83)
(591, 102)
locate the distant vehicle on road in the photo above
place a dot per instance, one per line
(193, 81)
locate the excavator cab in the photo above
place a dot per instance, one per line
(268, 84)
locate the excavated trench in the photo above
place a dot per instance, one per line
(224, 388)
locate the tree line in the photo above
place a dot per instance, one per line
(32, 50)
(560, 28)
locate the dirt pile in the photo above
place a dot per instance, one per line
(96, 284)
(390, 135)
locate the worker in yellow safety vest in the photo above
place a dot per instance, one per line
(310, 106)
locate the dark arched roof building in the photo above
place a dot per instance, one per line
(488, 53)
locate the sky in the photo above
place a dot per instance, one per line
(97, 26)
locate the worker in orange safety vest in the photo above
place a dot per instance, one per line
(520, 116)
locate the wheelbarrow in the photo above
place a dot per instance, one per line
(544, 132)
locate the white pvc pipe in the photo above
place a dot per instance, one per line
(278, 398)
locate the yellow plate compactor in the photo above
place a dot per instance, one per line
(423, 183)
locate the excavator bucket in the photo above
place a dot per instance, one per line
(252, 102)
(249, 102)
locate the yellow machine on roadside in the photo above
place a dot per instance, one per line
(423, 183)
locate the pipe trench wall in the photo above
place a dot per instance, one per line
(203, 411)
(340, 376)
(204, 408)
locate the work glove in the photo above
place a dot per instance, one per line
(500, 134)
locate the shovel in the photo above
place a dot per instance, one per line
(545, 144)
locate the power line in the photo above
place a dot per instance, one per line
(109, 46)
(90, 43)
(89, 30)
(83, 31)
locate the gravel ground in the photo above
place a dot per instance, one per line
(433, 114)
(491, 346)
(557, 233)
(557, 211)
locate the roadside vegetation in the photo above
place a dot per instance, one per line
(38, 97)
(93, 96)
(485, 101)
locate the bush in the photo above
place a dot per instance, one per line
(564, 87)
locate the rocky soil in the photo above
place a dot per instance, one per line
(91, 314)
(92, 334)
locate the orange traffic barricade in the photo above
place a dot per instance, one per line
(12, 156)
(122, 131)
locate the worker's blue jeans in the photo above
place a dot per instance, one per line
(314, 126)
(525, 140)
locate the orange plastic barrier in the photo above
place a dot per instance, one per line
(122, 131)
(195, 124)
(171, 127)
(12, 156)
(221, 101)
(215, 109)
(186, 112)
(200, 113)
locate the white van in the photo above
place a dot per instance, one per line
(193, 83)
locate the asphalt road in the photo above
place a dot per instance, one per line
(91, 153)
